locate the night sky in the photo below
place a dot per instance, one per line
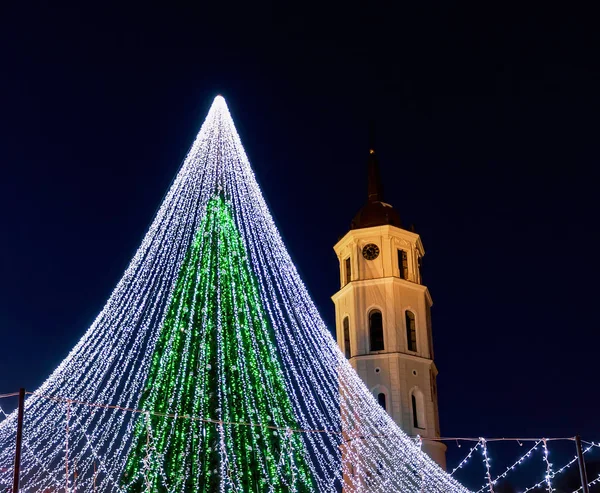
(487, 136)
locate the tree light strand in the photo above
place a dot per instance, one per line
(212, 320)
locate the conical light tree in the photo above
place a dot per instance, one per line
(209, 368)
(216, 359)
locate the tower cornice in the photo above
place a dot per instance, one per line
(353, 285)
(387, 229)
(395, 355)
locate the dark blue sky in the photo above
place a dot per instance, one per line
(487, 132)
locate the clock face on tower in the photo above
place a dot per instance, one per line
(370, 251)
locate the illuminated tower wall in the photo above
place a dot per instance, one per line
(383, 316)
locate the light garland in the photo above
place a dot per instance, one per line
(486, 461)
(559, 471)
(548, 466)
(591, 483)
(211, 320)
(466, 459)
(511, 468)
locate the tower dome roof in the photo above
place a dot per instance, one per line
(375, 212)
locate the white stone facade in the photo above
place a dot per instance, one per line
(390, 284)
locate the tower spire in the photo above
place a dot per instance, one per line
(375, 187)
(375, 212)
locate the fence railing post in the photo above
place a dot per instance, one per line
(582, 471)
(19, 440)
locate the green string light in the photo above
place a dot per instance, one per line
(216, 359)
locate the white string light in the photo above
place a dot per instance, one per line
(592, 444)
(591, 483)
(548, 467)
(511, 468)
(486, 460)
(465, 460)
(559, 471)
(417, 439)
(112, 360)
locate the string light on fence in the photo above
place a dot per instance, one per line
(466, 459)
(511, 468)
(591, 483)
(548, 466)
(559, 471)
(486, 460)
(592, 444)
(287, 432)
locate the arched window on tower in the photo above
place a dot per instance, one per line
(415, 411)
(418, 409)
(347, 349)
(381, 400)
(376, 330)
(411, 331)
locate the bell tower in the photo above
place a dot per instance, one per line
(383, 318)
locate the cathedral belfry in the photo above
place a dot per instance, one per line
(383, 315)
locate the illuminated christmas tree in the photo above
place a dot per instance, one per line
(215, 360)
(209, 369)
